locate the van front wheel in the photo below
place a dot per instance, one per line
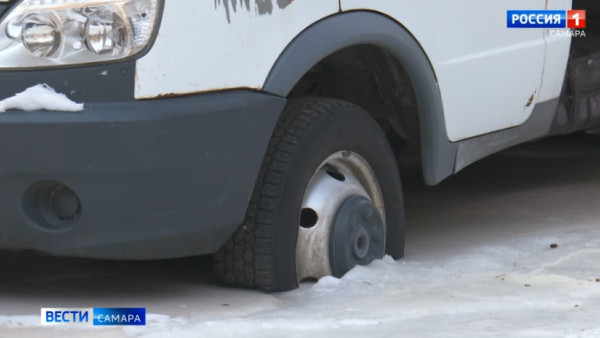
(328, 198)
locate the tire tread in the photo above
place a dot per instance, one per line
(247, 259)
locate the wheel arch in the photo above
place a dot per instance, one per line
(340, 31)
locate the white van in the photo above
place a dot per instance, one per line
(265, 132)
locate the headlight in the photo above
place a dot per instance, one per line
(41, 33)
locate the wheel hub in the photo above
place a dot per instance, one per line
(357, 235)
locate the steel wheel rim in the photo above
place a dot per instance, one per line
(342, 176)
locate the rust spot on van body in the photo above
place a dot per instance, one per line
(530, 101)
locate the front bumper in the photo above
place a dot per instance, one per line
(161, 178)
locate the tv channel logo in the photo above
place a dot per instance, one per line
(119, 316)
(66, 316)
(574, 19)
(93, 316)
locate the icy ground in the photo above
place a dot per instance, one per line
(479, 263)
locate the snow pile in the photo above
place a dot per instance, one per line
(40, 96)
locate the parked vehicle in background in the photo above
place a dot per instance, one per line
(268, 133)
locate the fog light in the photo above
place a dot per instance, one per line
(41, 35)
(51, 205)
(64, 203)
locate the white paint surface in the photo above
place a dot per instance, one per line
(40, 97)
(489, 76)
(198, 50)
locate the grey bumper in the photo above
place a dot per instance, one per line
(155, 179)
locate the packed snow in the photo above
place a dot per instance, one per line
(508, 248)
(38, 97)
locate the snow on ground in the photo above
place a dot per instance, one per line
(508, 248)
(40, 96)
